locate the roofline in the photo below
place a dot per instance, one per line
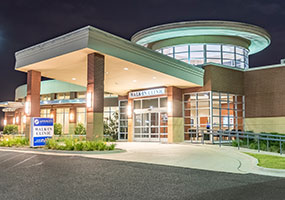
(266, 67)
(109, 44)
(256, 35)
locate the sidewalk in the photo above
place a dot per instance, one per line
(197, 156)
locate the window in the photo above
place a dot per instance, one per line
(214, 110)
(123, 120)
(62, 117)
(45, 113)
(81, 115)
(198, 54)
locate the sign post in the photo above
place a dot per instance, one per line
(41, 129)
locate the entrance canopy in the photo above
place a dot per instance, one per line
(128, 66)
(11, 106)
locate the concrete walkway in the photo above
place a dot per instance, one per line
(197, 156)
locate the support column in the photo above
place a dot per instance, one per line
(32, 105)
(175, 116)
(95, 96)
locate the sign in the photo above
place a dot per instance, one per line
(147, 93)
(41, 129)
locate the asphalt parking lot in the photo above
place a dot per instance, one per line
(35, 176)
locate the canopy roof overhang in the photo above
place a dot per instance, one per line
(11, 106)
(128, 66)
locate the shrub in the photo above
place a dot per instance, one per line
(71, 144)
(10, 129)
(57, 128)
(80, 129)
(16, 141)
(51, 144)
(111, 126)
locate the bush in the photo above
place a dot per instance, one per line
(71, 144)
(17, 142)
(80, 129)
(111, 127)
(57, 128)
(52, 144)
(10, 129)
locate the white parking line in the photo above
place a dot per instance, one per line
(19, 163)
(11, 158)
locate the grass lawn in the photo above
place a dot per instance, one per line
(268, 161)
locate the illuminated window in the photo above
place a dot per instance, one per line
(198, 54)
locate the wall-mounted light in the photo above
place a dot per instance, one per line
(169, 107)
(14, 120)
(129, 110)
(89, 100)
(28, 107)
(24, 119)
(17, 120)
(5, 122)
(71, 117)
(51, 115)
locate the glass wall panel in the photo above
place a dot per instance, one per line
(212, 110)
(62, 117)
(198, 54)
(81, 115)
(123, 120)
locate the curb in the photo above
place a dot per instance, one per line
(49, 151)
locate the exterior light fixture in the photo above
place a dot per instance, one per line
(27, 107)
(17, 120)
(74, 79)
(71, 117)
(5, 122)
(134, 81)
(126, 69)
(24, 119)
(169, 107)
(129, 110)
(51, 116)
(89, 100)
(14, 120)
(154, 77)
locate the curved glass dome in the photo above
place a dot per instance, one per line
(198, 54)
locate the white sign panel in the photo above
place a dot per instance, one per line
(147, 93)
(41, 130)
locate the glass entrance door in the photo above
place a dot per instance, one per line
(147, 126)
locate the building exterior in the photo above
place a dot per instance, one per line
(168, 82)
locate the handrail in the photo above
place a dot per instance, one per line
(238, 135)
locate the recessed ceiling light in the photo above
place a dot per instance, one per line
(134, 81)
(126, 69)
(154, 77)
(74, 79)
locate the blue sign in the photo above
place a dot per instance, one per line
(41, 130)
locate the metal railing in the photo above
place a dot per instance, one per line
(244, 139)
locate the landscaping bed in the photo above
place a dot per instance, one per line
(60, 143)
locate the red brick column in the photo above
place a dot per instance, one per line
(32, 99)
(95, 91)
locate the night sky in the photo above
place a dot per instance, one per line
(24, 23)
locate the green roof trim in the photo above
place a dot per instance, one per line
(258, 38)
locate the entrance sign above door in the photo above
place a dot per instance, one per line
(147, 93)
(41, 130)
